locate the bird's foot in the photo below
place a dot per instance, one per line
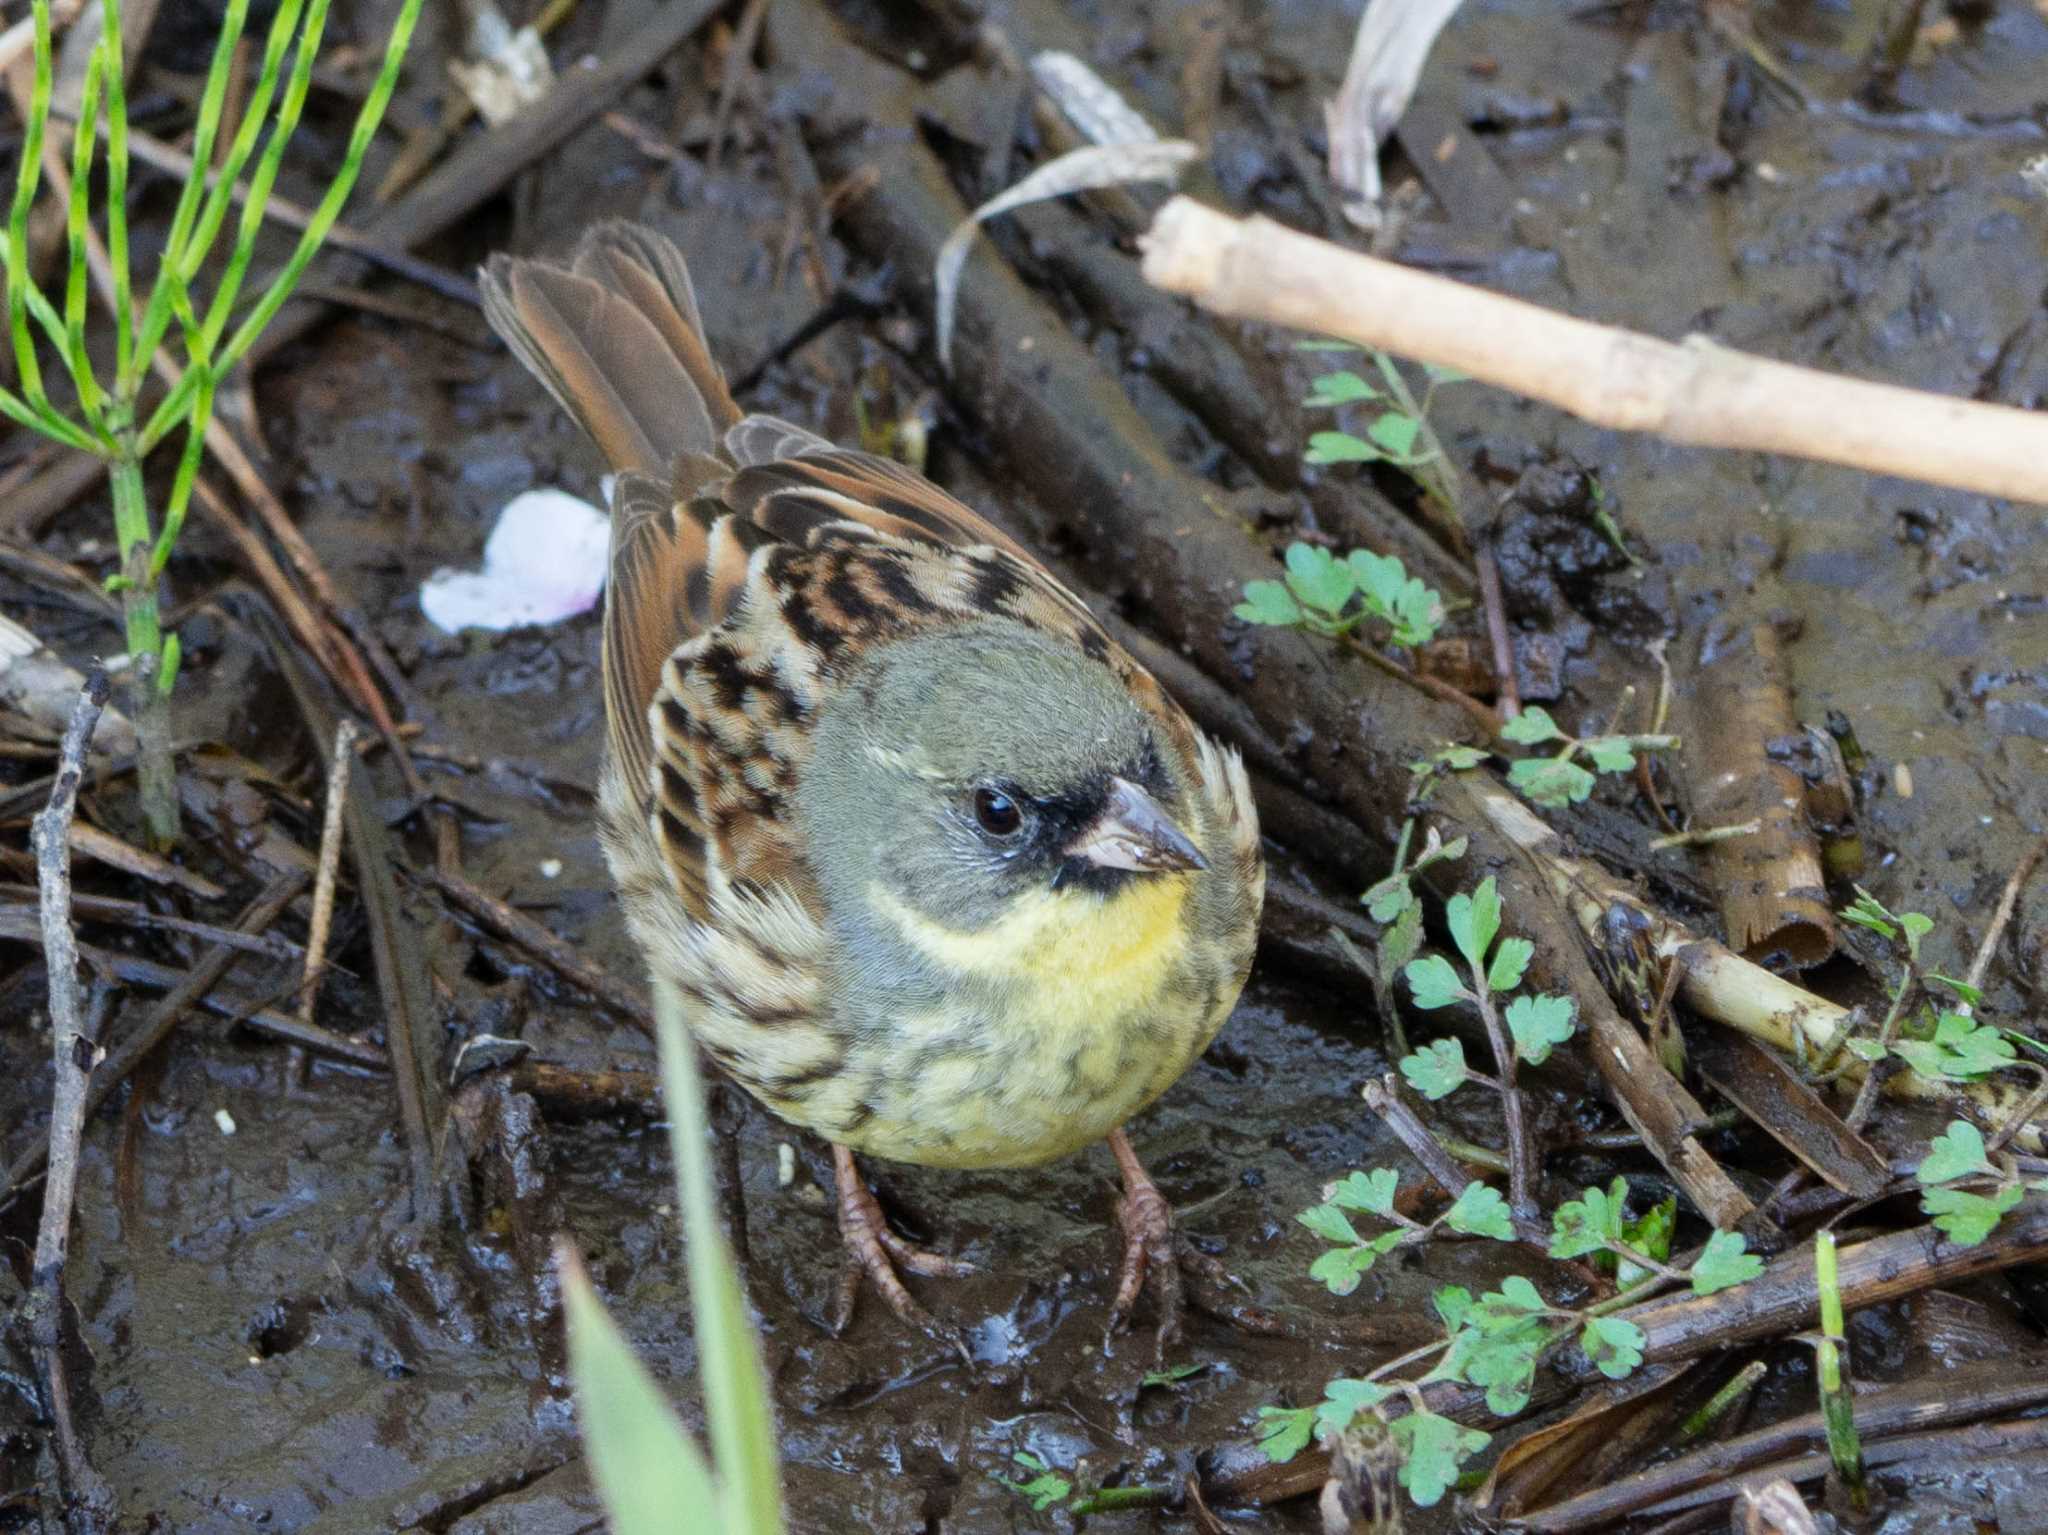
(1150, 1254)
(876, 1252)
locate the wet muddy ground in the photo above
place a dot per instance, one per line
(274, 1345)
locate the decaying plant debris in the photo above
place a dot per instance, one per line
(312, 1185)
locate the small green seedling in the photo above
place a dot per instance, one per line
(1559, 780)
(1330, 596)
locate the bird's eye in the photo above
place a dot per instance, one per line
(997, 813)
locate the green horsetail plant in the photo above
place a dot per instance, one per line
(109, 421)
(652, 1475)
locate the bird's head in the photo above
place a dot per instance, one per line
(989, 773)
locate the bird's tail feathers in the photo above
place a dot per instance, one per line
(617, 339)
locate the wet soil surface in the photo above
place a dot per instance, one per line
(275, 1345)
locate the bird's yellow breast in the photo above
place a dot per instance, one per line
(1062, 1021)
(1072, 959)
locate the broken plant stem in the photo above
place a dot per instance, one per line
(75, 1051)
(1721, 1403)
(1691, 392)
(1704, 836)
(1487, 720)
(1521, 1141)
(2008, 900)
(339, 771)
(1838, 1407)
(1724, 987)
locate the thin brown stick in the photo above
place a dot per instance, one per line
(1694, 392)
(185, 992)
(2008, 901)
(510, 923)
(76, 1049)
(1957, 1396)
(1508, 688)
(330, 866)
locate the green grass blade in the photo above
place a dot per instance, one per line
(157, 317)
(735, 1385)
(254, 111)
(25, 182)
(116, 86)
(337, 193)
(286, 123)
(188, 471)
(83, 142)
(648, 1470)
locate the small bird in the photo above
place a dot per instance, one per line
(937, 870)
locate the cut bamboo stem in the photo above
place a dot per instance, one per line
(1694, 391)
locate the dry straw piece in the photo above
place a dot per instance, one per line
(1693, 391)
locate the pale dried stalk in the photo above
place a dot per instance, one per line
(330, 865)
(1692, 392)
(1721, 985)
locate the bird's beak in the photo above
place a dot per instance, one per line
(1134, 833)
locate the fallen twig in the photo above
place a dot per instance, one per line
(338, 767)
(1721, 985)
(76, 1050)
(1955, 1396)
(1692, 392)
(510, 923)
(182, 993)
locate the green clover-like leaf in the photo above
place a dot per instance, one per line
(1372, 1192)
(1453, 1303)
(1650, 1234)
(1270, 603)
(1581, 1226)
(1435, 983)
(1388, 898)
(1968, 995)
(1318, 579)
(1340, 448)
(1403, 941)
(1509, 961)
(1479, 1211)
(1967, 1218)
(1550, 781)
(1341, 388)
(1916, 926)
(1539, 1025)
(1044, 1489)
(1611, 754)
(1341, 1268)
(1868, 911)
(1434, 1449)
(1454, 759)
(1474, 920)
(1532, 727)
(1284, 1432)
(1395, 433)
(1505, 1366)
(1961, 1050)
(1515, 1302)
(1613, 1345)
(1343, 1400)
(1329, 1223)
(1724, 1263)
(1417, 613)
(1955, 1153)
(1436, 1070)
